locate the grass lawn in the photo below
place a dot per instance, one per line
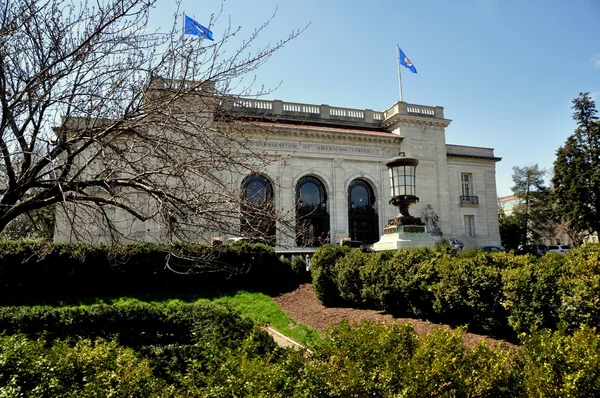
(257, 306)
(261, 309)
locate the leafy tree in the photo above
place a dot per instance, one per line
(511, 229)
(577, 171)
(100, 116)
(535, 210)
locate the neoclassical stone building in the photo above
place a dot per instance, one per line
(330, 172)
(334, 173)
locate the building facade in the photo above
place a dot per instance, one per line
(334, 170)
(329, 173)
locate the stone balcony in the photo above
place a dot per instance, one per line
(326, 114)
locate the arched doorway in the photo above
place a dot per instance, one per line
(257, 221)
(363, 222)
(312, 217)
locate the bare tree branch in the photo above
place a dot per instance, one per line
(116, 126)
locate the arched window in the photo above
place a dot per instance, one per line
(258, 216)
(312, 217)
(363, 221)
(257, 189)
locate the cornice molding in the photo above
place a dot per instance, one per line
(310, 134)
(472, 157)
(409, 120)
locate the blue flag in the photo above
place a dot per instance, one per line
(404, 61)
(192, 27)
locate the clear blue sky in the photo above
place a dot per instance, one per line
(504, 70)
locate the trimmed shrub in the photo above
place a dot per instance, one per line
(580, 288)
(348, 280)
(558, 365)
(443, 366)
(531, 293)
(398, 281)
(469, 291)
(135, 324)
(34, 270)
(390, 360)
(82, 369)
(324, 278)
(497, 293)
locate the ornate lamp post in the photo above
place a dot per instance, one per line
(402, 172)
(404, 231)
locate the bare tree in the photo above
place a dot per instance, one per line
(122, 129)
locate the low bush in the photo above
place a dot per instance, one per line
(323, 273)
(560, 365)
(580, 288)
(398, 281)
(500, 293)
(348, 280)
(369, 359)
(83, 369)
(469, 291)
(390, 360)
(30, 270)
(531, 294)
(134, 324)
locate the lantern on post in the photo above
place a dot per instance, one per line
(402, 171)
(403, 231)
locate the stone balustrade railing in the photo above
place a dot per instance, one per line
(297, 111)
(325, 113)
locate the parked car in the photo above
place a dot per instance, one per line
(562, 249)
(538, 250)
(492, 249)
(357, 244)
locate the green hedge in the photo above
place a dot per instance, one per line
(322, 269)
(28, 368)
(54, 270)
(382, 360)
(135, 324)
(168, 337)
(468, 291)
(500, 293)
(396, 281)
(580, 288)
(531, 293)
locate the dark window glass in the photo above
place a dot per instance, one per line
(257, 221)
(312, 218)
(363, 221)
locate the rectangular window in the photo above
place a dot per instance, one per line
(470, 226)
(466, 180)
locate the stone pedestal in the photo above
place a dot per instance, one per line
(404, 233)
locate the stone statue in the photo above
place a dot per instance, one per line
(432, 221)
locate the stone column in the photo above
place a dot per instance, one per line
(339, 208)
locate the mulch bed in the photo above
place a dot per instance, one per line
(302, 305)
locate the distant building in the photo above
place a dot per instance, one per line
(333, 177)
(508, 203)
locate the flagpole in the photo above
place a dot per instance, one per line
(399, 73)
(182, 45)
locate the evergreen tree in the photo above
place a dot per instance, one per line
(576, 171)
(534, 211)
(511, 229)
